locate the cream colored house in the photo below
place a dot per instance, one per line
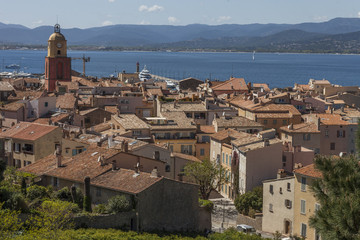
(278, 204)
(305, 204)
(26, 142)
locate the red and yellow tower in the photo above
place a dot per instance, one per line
(57, 64)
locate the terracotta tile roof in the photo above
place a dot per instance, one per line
(236, 84)
(253, 144)
(59, 117)
(262, 85)
(236, 121)
(28, 131)
(66, 101)
(309, 170)
(207, 128)
(74, 168)
(112, 109)
(322, 82)
(176, 120)
(277, 108)
(101, 127)
(154, 91)
(331, 119)
(279, 95)
(184, 107)
(12, 107)
(247, 139)
(130, 121)
(125, 180)
(228, 133)
(6, 86)
(273, 115)
(85, 112)
(44, 121)
(186, 157)
(32, 80)
(306, 127)
(20, 95)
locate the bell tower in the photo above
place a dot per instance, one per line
(57, 64)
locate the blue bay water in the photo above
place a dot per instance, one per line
(278, 70)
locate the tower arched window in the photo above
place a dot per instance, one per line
(59, 52)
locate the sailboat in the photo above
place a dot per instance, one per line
(253, 55)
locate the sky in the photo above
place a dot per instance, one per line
(95, 13)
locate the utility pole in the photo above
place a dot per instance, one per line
(85, 60)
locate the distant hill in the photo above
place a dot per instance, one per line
(267, 37)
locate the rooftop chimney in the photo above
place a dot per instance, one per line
(266, 142)
(154, 173)
(58, 156)
(126, 146)
(281, 173)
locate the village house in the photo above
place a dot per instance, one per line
(318, 86)
(66, 102)
(296, 155)
(91, 117)
(278, 204)
(238, 123)
(6, 89)
(233, 85)
(136, 127)
(24, 142)
(305, 204)
(258, 158)
(174, 129)
(189, 84)
(173, 204)
(336, 134)
(304, 134)
(203, 135)
(12, 113)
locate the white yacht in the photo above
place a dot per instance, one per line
(144, 75)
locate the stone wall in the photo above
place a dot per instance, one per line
(124, 221)
(255, 222)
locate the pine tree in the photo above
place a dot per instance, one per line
(338, 192)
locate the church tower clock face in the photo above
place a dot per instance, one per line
(59, 45)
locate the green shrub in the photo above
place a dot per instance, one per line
(118, 204)
(87, 204)
(64, 194)
(36, 192)
(100, 208)
(250, 200)
(209, 205)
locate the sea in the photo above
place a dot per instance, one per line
(276, 69)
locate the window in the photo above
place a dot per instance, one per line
(271, 208)
(202, 152)
(205, 139)
(303, 184)
(55, 181)
(289, 187)
(46, 104)
(227, 159)
(275, 122)
(98, 192)
(136, 132)
(223, 157)
(189, 115)
(167, 168)
(271, 189)
(332, 146)
(280, 190)
(341, 133)
(288, 203)
(17, 147)
(284, 122)
(265, 121)
(306, 136)
(317, 207)
(302, 207)
(230, 160)
(303, 230)
(28, 148)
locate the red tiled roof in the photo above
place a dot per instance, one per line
(232, 84)
(222, 135)
(66, 101)
(308, 170)
(207, 128)
(301, 128)
(28, 131)
(331, 119)
(125, 180)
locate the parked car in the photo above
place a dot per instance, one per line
(246, 229)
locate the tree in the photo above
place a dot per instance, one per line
(2, 169)
(338, 193)
(358, 139)
(250, 201)
(51, 217)
(10, 223)
(118, 204)
(207, 174)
